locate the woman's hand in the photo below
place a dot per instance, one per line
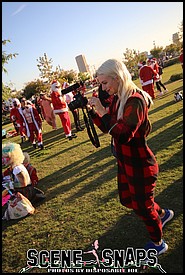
(96, 103)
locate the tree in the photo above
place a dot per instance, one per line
(84, 76)
(45, 67)
(172, 49)
(6, 57)
(67, 76)
(6, 92)
(156, 51)
(131, 60)
(34, 88)
(181, 32)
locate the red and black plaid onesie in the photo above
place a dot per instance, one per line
(137, 166)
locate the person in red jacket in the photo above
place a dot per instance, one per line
(157, 77)
(146, 77)
(127, 122)
(61, 108)
(15, 117)
(32, 123)
(33, 176)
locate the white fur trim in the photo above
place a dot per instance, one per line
(61, 111)
(147, 82)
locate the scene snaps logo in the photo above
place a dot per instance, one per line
(93, 260)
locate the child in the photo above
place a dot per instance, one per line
(33, 175)
(31, 170)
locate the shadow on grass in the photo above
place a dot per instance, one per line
(129, 231)
(162, 107)
(72, 170)
(168, 136)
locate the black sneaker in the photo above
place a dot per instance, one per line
(34, 145)
(41, 146)
(73, 135)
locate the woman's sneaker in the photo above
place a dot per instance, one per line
(163, 247)
(167, 216)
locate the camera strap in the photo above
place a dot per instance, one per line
(91, 129)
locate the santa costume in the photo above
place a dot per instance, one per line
(61, 108)
(15, 117)
(32, 123)
(146, 77)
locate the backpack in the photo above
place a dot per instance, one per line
(18, 206)
(160, 72)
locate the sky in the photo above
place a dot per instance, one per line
(97, 30)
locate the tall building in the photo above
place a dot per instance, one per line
(175, 38)
(82, 64)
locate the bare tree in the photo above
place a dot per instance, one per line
(45, 67)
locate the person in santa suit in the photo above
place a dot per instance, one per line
(157, 78)
(146, 77)
(31, 121)
(60, 107)
(16, 118)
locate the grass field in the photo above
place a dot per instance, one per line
(80, 184)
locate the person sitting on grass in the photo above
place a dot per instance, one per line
(33, 175)
(13, 157)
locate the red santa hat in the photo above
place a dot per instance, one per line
(153, 60)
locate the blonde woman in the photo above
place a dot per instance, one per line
(127, 122)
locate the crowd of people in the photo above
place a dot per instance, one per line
(27, 116)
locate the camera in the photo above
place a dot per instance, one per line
(71, 88)
(79, 100)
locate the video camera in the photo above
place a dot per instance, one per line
(80, 101)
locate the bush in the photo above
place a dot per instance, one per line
(5, 120)
(170, 62)
(175, 77)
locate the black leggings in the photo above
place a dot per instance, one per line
(158, 84)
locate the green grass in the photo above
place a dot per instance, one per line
(80, 184)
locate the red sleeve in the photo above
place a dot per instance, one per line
(36, 114)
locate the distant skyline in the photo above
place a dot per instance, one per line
(97, 30)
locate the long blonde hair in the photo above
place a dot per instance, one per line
(115, 68)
